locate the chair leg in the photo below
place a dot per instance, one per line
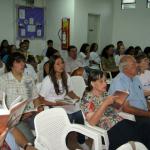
(93, 146)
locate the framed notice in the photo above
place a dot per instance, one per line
(30, 22)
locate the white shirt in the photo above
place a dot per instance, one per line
(44, 52)
(13, 88)
(40, 69)
(2, 69)
(145, 79)
(95, 57)
(83, 60)
(71, 64)
(48, 92)
(29, 71)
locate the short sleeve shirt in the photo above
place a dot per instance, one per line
(94, 57)
(13, 88)
(71, 64)
(133, 85)
(48, 92)
(90, 103)
(145, 79)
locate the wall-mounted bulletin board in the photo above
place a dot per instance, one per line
(30, 22)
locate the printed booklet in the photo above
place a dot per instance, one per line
(68, 100)
(121, 99)
(11, 117)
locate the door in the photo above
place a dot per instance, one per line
(93, 29)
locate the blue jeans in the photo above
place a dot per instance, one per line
(77, 117)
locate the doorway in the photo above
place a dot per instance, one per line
(93, 29)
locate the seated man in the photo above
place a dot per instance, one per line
(15, 84)
(6, 139)
(72, 62)
(136, 103)
(12, 141)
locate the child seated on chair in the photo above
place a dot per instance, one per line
(98, 111)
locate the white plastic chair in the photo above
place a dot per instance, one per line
(52, 126)
(78, 85)
(103, 132)
(132, 146)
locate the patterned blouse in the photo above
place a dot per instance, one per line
(90, 103)
(109, 63)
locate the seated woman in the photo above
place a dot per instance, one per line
(98, 111)
(119, 54)
(108, 60)
(94, 57)
(84, 56)
(144, 72)
(56, 86)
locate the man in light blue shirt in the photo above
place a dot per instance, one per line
(133, 86)
(127, 80)
(136, 103)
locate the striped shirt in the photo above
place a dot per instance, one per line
(13, 88)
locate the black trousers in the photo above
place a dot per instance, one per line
(123, 132)
(77, 117)
(143, 124)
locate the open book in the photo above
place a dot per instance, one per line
(10, 117)
(121, 99)
(67, 100)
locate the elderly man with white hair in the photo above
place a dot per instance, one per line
(136, 103)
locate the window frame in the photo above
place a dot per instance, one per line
(148, 4)
(128, 3)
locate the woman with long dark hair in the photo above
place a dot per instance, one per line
(108, 60)
(55, 86)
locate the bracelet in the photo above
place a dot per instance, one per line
(26, 145)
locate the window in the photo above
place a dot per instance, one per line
(148, 3)
(127, 4)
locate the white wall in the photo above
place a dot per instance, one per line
(77, 11)
(55, 11)
(8, 24)
(7, 21)
(132, 25)
(102, 7)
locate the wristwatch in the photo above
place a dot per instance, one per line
(26, 145)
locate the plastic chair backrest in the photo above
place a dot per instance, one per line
(132, 146)
(51, 124)
(78, 85)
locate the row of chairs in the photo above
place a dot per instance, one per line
(52, 127)
(95, 133)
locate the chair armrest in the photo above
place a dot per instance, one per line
(87, 131)
(41, 143)
(102, 132)
(127, 116)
